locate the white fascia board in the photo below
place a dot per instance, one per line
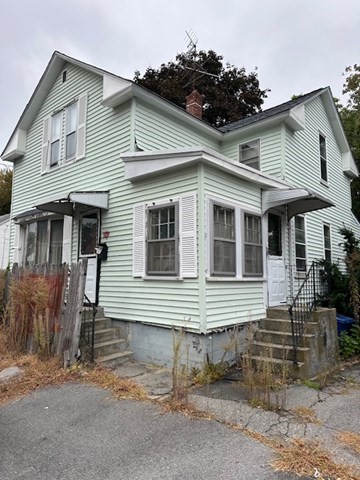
(296, 118)
(139, 165)
(115, 91)
(16, 146)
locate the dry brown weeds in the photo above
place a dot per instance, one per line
(39, 372)
(308, 458)
(350, 439)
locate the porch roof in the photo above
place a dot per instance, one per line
(297, 200)
(64, 203)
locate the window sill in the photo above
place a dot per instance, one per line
(235, 279)
(59, 167)
(160, 278)
(323, 182)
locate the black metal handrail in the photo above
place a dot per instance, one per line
(312, 290)
(88, 324)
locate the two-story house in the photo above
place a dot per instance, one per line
(204, 227)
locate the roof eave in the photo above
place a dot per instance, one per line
(141, 165)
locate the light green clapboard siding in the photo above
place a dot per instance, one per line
(229, 303)
(270, 149)
(99, 170)
(108, 135)
(165, 302)
(303, 169)
(155, 131)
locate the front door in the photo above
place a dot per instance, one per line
(89, 234)
(276, 260)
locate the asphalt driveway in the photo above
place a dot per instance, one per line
(80, 432)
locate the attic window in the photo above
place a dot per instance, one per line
(249, 154)
(64, 76)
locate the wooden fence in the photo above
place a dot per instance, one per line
(44, 304)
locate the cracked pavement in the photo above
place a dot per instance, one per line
(308, 413)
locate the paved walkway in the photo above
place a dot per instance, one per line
(307, 413)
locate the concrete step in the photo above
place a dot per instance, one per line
(104, 334)
(278, 312)
(283, 325)
(281, 338)
(110, 346)
(100, 323)
(114, 359)
(279, 351)
(282, 367)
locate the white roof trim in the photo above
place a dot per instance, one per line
(64, 203)
(297, 200)
(139, 165)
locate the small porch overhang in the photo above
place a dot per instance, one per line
(64, 203)
(297, 200)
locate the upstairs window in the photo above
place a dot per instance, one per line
(327, 242)
(323, 158)
(64, 135)
(300, 244)
(249, 154)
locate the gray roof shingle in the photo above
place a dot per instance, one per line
(270, 112)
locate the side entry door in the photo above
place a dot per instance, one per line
(276, 260)
(89, 234)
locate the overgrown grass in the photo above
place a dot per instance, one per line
(42, 372)
(350, 439)
(265, 381)
(308, 458)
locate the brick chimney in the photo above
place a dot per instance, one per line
(194, 104)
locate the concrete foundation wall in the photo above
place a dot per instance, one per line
(155, 345)
(324, 353)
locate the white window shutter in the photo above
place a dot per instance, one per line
(45, 153)
(67, 239)
(16, 254)
(187, 230)
(81, 127)
(139, 240)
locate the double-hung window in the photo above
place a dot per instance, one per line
(236, 244)
(249, 154)
(162, 242)
(223, 239)
(253, 260)
(327, 242)
(56, 127)
(164, 238)
(64, 135)
(323, 158)
(70, 138)
(300, 244)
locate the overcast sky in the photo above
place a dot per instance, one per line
(298, 46)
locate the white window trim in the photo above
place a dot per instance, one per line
(325, 224)
(187, 237)
(256, 139)
(322, 181)
(300, 273)
(240, 210)
(81, 122)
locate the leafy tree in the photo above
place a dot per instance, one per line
(229, 92)
(5, 190)
(350, 116)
